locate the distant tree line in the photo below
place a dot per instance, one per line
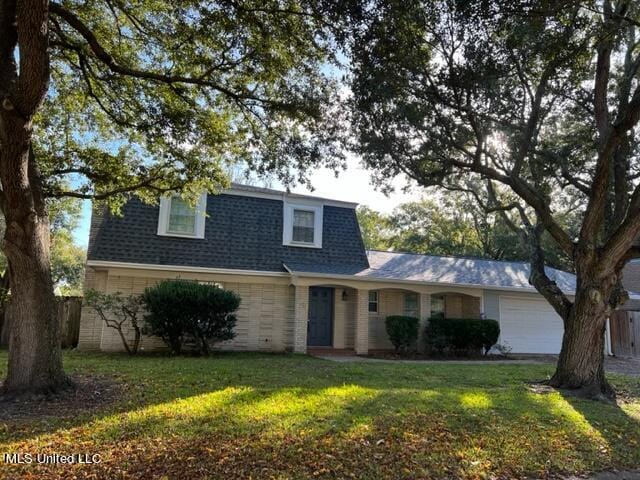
(449, 225)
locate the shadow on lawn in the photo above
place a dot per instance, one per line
(367, 418)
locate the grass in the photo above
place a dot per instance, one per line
(287, 416)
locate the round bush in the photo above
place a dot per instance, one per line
(402, 331)
(178, 309)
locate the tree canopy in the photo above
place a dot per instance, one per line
(106, 99)
(155, 96)
(67, 256)
(453, 224)
(530, 107)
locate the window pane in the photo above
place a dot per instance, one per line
(411, 304)
(182, 217)
(303, 226)
(373, 302)
(437, 306)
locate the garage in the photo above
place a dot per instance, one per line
(530, 325)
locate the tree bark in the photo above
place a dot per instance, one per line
(4, 318)
(136, 340)
(35, 356)
(580, 367)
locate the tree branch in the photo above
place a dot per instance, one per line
(33, 42)
(107, 59)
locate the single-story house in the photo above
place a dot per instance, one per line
(299, 264)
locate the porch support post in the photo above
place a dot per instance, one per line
(362, 322)
(300, 319)
(425, 313)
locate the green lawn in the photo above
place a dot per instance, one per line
(286, 416)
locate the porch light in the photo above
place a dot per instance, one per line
(344, 295)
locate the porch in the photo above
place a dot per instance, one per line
(349, 318)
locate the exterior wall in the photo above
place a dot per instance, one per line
(267, 312)
(300, 318)
(461, 306)
(492, 304)
(390, 302)
(344, 314)
(362, 322)
(265, 317)
(90, 324)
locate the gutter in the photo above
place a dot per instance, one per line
(183, 268)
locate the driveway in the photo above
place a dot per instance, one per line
(628, 366)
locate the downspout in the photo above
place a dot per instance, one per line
(607, 339)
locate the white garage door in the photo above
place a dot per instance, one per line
(530, 325)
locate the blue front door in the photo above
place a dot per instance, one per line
(320, 324)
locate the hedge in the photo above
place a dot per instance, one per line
(461, 335)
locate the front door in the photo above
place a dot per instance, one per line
(320, 324)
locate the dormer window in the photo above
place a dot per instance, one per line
(302, 225)
(179, 219)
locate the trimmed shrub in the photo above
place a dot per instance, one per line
(179, 309)
(461, 335)
(402, 331)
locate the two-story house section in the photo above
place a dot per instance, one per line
(299, 264)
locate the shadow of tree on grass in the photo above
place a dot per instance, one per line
(291, 416)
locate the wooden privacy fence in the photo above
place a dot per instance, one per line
(625, 333)
(68, 312)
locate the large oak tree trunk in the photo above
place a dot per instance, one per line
(580, 367)
(35, 359)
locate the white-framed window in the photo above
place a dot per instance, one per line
(302, 225)
(179, 219)
(373, 301)
(215, 284)
(411, 304)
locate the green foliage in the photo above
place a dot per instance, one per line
(189, 89)
(181, 308)
(119, 312)
(453, 224)
(461, 335)
(402, 331)
(67, 257)
(374, 228)
(489, 99)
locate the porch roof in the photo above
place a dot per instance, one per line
(440, 270)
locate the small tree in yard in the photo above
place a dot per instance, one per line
(118, 311)
(533, 108)
(181, 308)
(402, 331)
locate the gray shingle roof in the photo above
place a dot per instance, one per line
(241, 232)
(445, 270)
